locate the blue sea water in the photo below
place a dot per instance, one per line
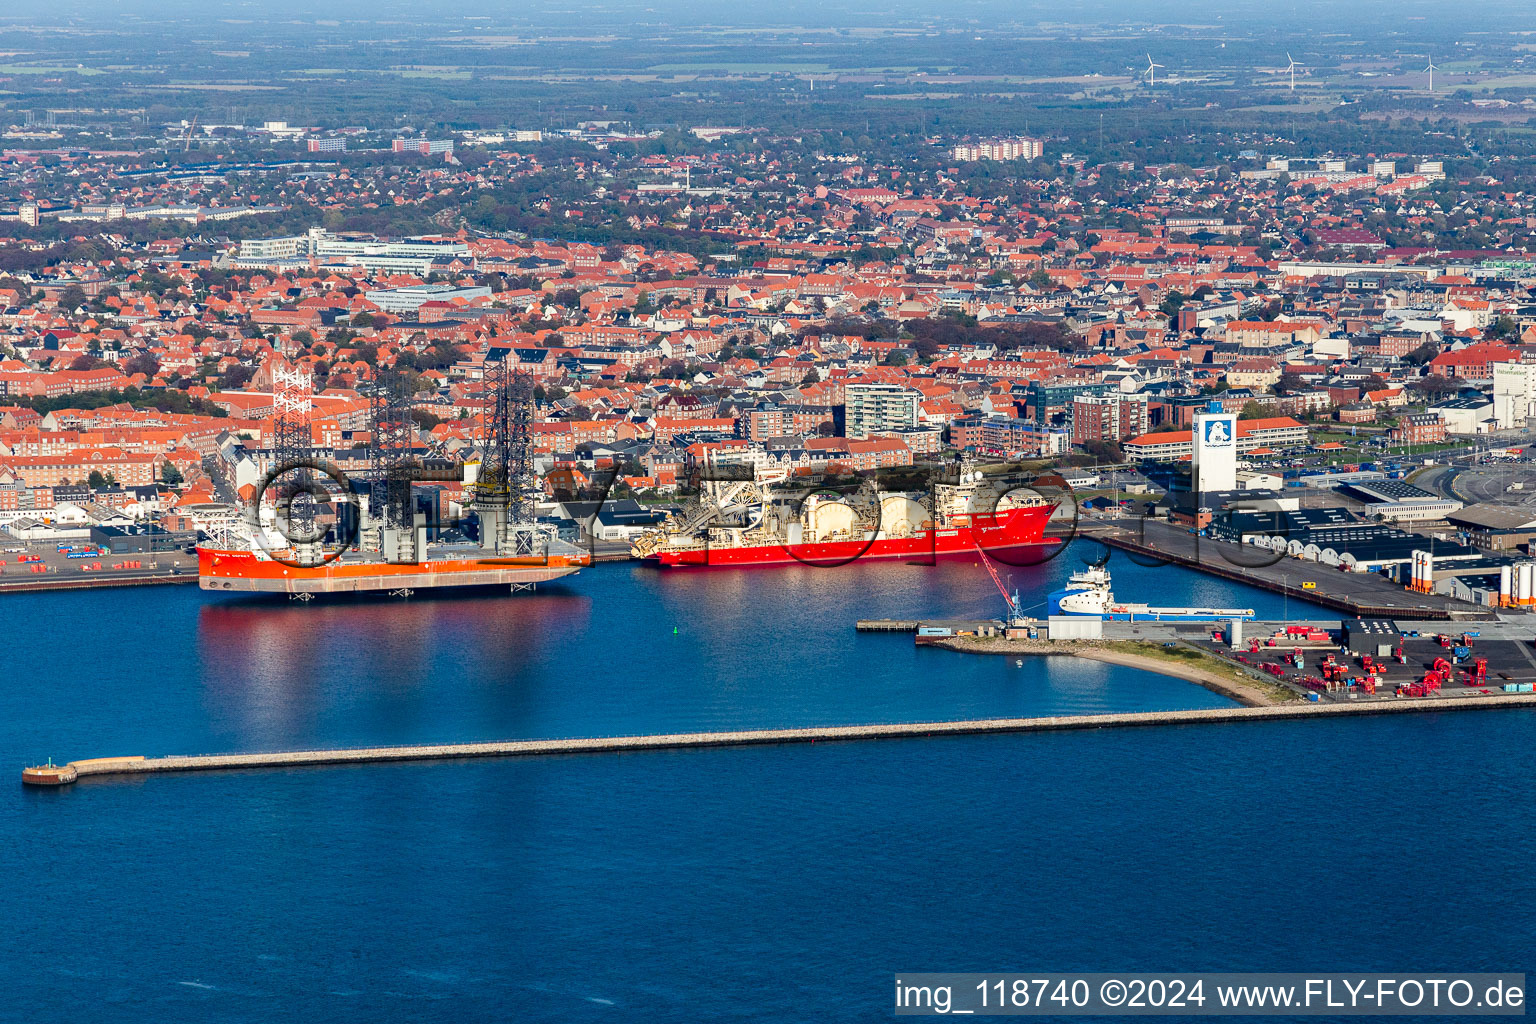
(615, 649)
(785, 883)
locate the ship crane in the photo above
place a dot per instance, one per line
(696, 514)
(722, 503)
(735, 500)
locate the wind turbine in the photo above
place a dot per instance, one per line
(1431, 69)
(1292, 70)
(1152, 72)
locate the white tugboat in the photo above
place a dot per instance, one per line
(1088, 593)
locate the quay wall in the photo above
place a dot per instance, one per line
(92, 582)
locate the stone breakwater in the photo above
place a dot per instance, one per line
(138, 765)
(1206, 670)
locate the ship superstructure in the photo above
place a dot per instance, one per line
(740, 523)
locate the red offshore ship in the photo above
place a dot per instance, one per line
(737, 525)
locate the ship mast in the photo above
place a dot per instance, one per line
(503, 489)
(391, 462)
(293, 457)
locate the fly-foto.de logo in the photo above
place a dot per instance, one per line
(1217, 433)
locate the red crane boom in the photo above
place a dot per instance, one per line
(1013, 607)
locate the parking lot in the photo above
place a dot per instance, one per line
(1509, 660)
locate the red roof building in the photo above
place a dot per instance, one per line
(1475, 362)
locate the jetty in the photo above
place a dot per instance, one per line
(56, 775)
(886, 625)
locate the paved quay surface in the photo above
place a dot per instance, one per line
(94, 581)
(677, 741)
(65, 573)
(1364, 594)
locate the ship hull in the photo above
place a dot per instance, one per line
(241, 571)
(1179, 615)
(1144, 613)
(1015, 536)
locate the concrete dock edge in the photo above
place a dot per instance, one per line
(839, 733)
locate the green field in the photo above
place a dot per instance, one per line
(443, 74)
(756, 69)
(48, 69)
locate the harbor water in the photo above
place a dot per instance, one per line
(616, 649)
(780, 883)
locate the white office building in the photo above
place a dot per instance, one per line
(1514, 393)
(1215, 451)
(413, 297)
(406, 255)
(882, 407)
(290, 247)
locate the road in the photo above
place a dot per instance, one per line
(1436, 480)
(1489, 481)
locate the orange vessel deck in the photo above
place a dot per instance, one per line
(232, 570)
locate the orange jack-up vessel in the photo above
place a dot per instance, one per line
(279, 572)
(258, 558)
(280, 546)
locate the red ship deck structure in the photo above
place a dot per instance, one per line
(737, 525)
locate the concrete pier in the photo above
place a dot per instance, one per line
(679, 741)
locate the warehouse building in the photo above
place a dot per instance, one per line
(141, 539)
(1336, 538)
(1496, 527)
(1401, 502)
(1466, 414)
